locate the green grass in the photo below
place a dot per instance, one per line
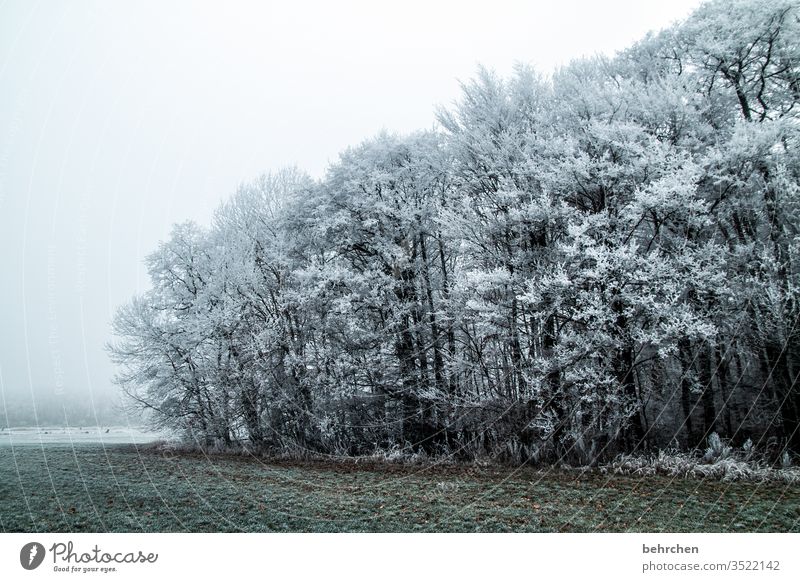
(120, 488)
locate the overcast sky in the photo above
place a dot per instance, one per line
(118, 119)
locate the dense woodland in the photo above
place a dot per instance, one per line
(571, 266)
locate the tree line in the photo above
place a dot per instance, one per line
(600, 260)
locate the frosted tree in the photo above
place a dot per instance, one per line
(168, 355)
(604, 260)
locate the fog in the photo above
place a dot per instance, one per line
(117, 120)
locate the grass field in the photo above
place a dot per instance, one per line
(125, 488)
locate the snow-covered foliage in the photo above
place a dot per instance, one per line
(720, 462)
(567, 268)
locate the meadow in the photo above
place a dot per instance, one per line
(138, 488)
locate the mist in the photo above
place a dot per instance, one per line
(118, 120)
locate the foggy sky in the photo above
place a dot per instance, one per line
(118, 119)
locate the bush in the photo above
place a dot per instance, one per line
(719, 462)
